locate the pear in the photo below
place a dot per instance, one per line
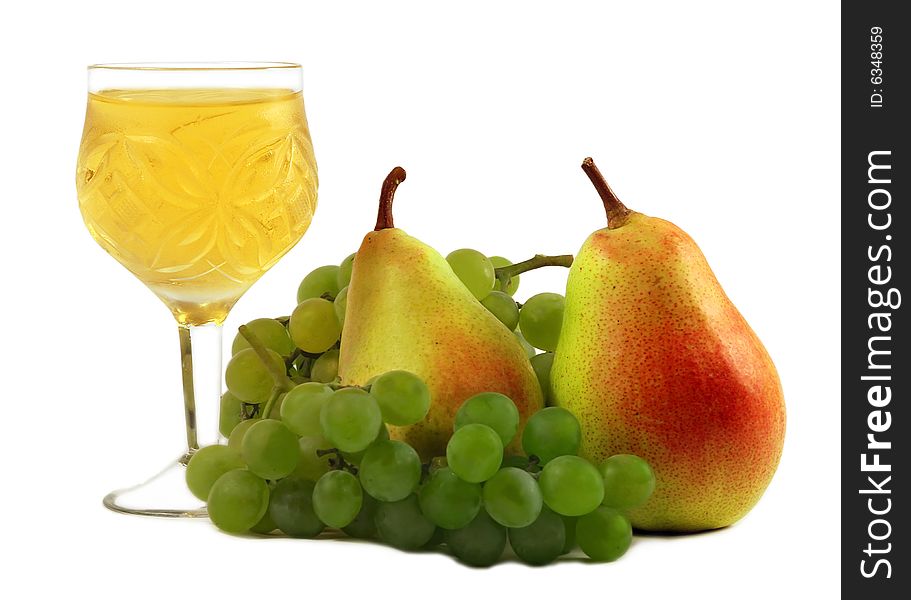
(408, 310)
(655, 360)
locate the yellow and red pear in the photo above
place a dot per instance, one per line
(655, 360)
(408, 310)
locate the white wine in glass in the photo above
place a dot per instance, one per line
(197, 177)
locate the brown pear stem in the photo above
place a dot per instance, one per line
(617, 213)
(387, 193)
(504, 274)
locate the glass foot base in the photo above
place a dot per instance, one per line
(163, 495)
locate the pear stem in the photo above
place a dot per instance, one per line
(504, 274)
(387, 193)
(617, 213)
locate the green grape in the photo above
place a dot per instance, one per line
(474, 452)
(248, 378)
(541, 319)
(351, 419)
(403, 397)
(356, 457)
(207, 465)
(480, 543)
(291, 507)
(474, 270)
(528, 348)
(492, 409)
(266, 525)
(325, 368)
(230, 413)
(542, 363)
(270, 332)
(302, 406)
(512, 498)
(551, 432)
(628, 481)
(604, 534)
(314, 327)
(236, 439)
(321, 280)
(499, 261)
(571, 486)
(340, 304)
(569, 524)
(270, 449)
(337, 498)
(448, 501)
(542, 541)
(503, 308)
(310, 465)
(237, 501)
(390, 470)
(363, 526)
(401, 524)
(343, 278)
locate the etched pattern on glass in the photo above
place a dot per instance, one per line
(203, 210)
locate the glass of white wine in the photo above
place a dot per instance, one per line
(196, 177)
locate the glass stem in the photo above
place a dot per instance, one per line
(200, 362)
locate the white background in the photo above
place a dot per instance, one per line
(716, 116)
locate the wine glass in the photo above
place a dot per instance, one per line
(197, 177)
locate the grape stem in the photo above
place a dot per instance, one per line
(282, 381)
(339, 463)
(267, 410)
(505, 274)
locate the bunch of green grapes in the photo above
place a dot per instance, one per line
(326, 460)
(312, 462)
(543, 502)
(304, 453)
